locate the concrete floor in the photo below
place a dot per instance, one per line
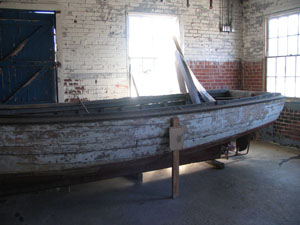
(260, 188)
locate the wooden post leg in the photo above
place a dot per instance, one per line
(176, 144)
(175, 174)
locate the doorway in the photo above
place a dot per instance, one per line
(27, 57)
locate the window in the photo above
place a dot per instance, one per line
(152, 54)
(283, 55)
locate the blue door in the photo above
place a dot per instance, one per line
(27, 57)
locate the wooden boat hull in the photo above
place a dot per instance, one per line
(42, 144)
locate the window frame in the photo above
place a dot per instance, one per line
(266, 43)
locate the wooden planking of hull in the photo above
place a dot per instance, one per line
(61, 137)
(34, 143)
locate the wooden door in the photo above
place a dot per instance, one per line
(27, 57)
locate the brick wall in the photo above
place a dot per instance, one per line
(218, 75)
(254, 13)
(253, 78)
(92, 40)
(286, 129)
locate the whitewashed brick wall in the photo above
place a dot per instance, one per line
(255, 12)
(93, 41)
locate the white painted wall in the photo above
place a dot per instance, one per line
(255, 12)
(92, 40)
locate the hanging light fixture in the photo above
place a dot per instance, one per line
(226, 16)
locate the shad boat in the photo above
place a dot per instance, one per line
(50, 145)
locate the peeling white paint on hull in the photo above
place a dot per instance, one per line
(26, 148)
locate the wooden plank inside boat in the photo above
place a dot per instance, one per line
(189, 77)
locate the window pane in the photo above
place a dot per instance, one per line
(299, 43)
(290, 66)
(293, 24)
(280, 66)
(298, 85)
(282, 26)
(280, 85)
(290, 87)
(273, 47)
(136, 65)
(298, 67)
(151, 52)
(271, 65)
(273, 27)
(292, 45)
(282, 46)
(271, 84)
(299, 22)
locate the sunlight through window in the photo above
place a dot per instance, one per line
(283, 55)
(152, 54)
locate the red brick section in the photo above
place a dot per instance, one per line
(286, 129)
(218, 75)
(288, 125)
(253, 76)
(73, 90)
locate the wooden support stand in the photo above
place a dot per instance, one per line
(176, 144)
(217, 164)
(137, 178)
(175, 174)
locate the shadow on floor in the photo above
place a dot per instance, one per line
(260, 188)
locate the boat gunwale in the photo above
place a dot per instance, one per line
(114, 102)
(64, 105)
(141, 113)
